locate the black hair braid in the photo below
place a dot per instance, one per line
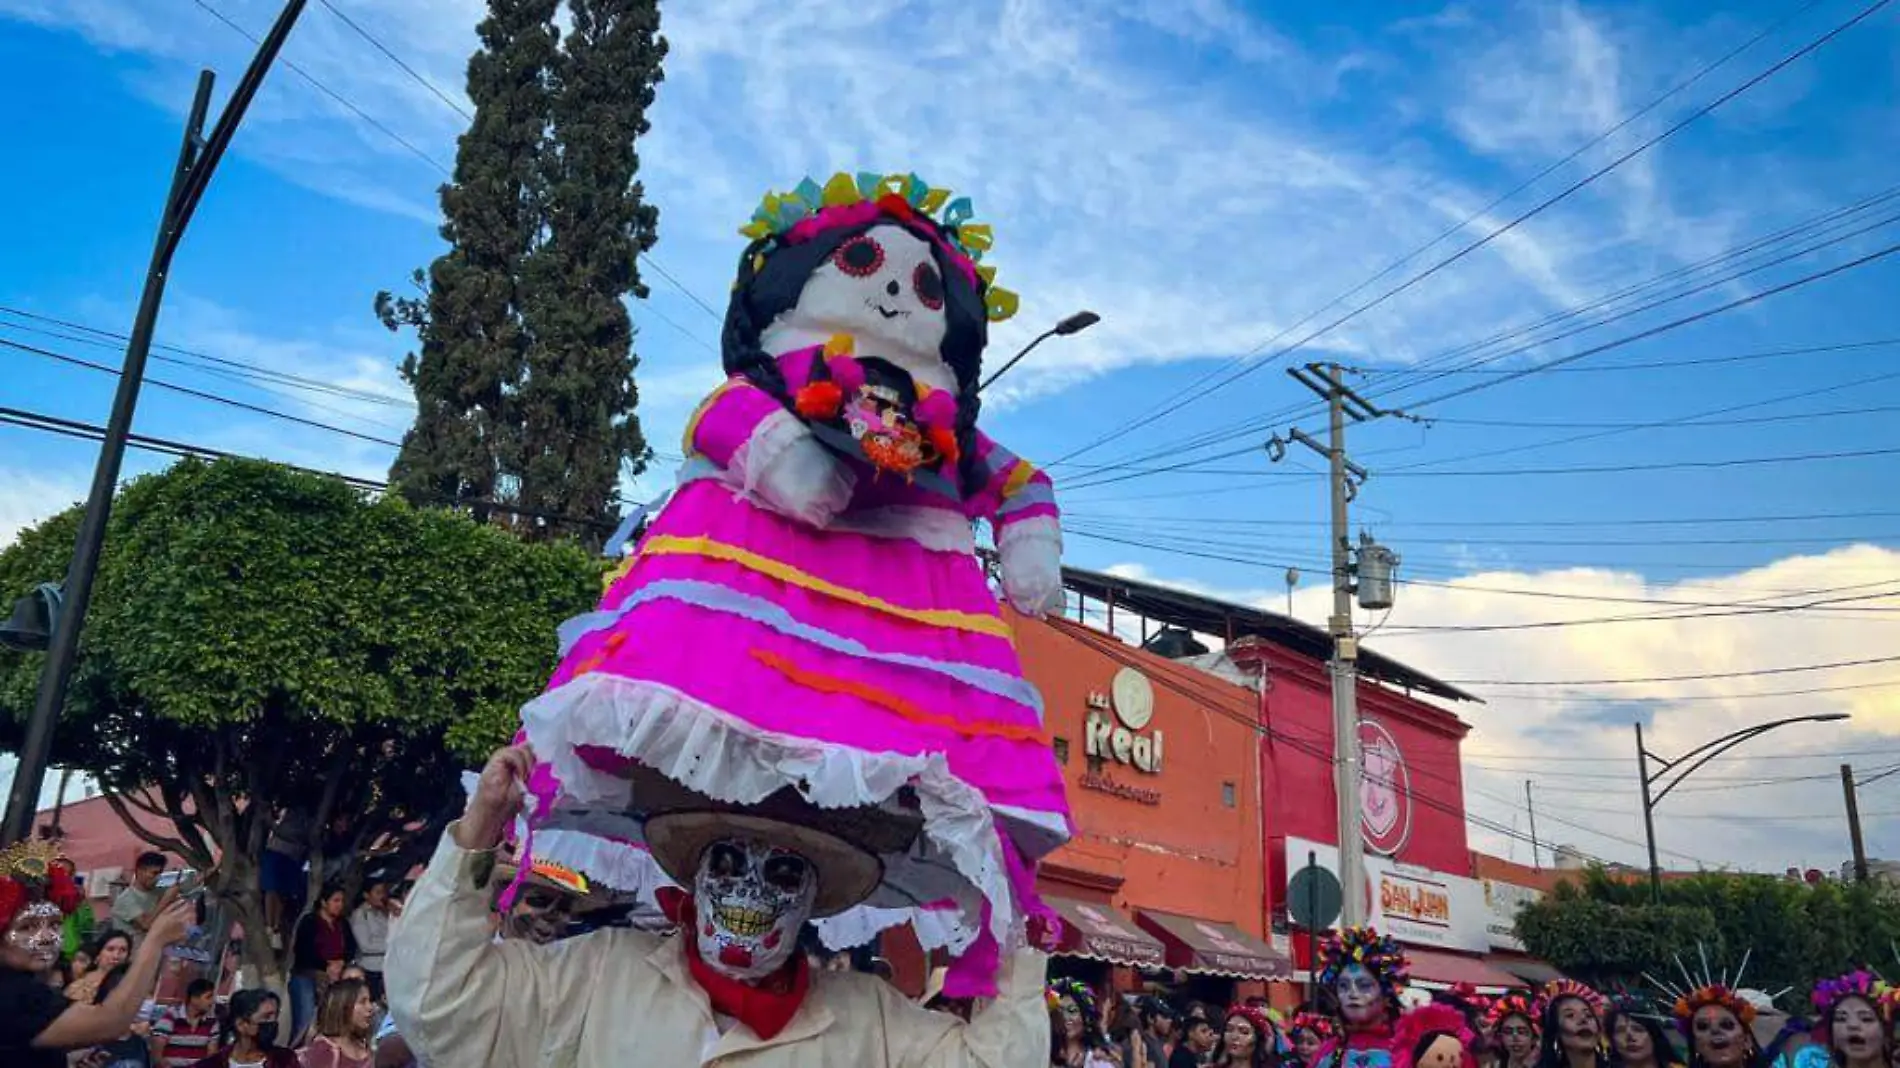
(739, 338)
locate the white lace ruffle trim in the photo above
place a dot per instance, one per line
(958, 856)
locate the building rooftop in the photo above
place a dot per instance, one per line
(1208, 615)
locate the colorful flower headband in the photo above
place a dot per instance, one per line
(1073, 989)
(810, 209)
(1558, 989)
(1509, 1005)
(1714, 994)
(1321, 1026)
(1266, 1032)
(1364, 946)
(1861, 983)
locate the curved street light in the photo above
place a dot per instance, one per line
(1074, 324)
(1694, 759)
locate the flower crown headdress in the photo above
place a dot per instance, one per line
(845, 200)
(1321, 1026)
(1508, 1005)
(1859, 983)
(35, 870)
(1715, 994)
(1365, 946)
(1266, 1030)
(1075, 990)
(1558, 989)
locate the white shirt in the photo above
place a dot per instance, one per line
(619, 997)
(371, 928)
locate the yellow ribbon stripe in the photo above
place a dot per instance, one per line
(692, 424)
(671, 545)
(1019, 477)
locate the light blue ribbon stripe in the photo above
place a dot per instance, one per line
(717, 598)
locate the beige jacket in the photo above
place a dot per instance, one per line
(619, 998)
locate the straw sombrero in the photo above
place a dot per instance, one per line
(842, 845)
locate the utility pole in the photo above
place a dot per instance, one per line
(1345, 477)
(1649, 817)
(1530, 806)
(197, 158)
(1853, 823)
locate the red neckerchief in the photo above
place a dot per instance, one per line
(766, 1006)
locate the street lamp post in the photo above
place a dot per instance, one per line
(1074, 324)
(1694, 759)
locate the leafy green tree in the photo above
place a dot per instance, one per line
(262, 640)
(578, 400)
(466, 442)
(1607, 929)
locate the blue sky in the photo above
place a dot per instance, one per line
(1206, 175)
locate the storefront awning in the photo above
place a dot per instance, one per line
(1449, 969)
(1103, 932)
(1532, 971)
(1213, 947)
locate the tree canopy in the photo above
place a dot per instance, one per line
(525, 399)
(1606, 929)
(262, 639)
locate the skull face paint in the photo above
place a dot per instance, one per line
(1718, 1037)
(749, 900)
(35, 932)
(1361, 1001)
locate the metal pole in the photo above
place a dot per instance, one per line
(1352, 860)
(1853, 823)
(1312, 930)
(1649, 818)
(1530, 805)
(197, 158)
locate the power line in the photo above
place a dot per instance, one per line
(1646, 365)
(1636, 521)
(1703, 677)
(202, 395)
(397, 60)
(1670, 465)
(1829, 755)
(1433, 366)
(1181, 401)
(109, 339)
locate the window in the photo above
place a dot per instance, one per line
(1227, 794)
(1061, 746)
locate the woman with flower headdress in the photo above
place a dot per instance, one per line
(1570, 1015)
(1308, 1032)
(1637, 1038)
(1511, 1021)
(1851, 1025)
(37, 1022)
(1364, 972)
(1076, 1039)
(1249, 1040)
(1719, 1025)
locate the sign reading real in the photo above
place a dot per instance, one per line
(1118, 721)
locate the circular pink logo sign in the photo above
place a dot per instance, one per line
(1385, 790)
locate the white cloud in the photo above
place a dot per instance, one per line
(1116, 183)
(1576, 742)
(29, 496)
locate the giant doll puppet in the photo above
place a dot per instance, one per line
(798, 701)
(1365, 972)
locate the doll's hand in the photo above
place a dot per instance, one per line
(1031, 554)
(801, 478)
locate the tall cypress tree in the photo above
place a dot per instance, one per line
(467, 441)
(577, 402)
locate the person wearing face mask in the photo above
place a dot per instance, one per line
(251, 1028)
(1512, 1022)
(37, 1023)
(1637, 1039)
(1718, 1024)
(1850, 1025)
(1364, 972)
(729, 982)
(1570, 1015)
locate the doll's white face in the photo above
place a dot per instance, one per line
(883, 288)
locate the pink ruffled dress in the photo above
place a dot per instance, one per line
(740, 651)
